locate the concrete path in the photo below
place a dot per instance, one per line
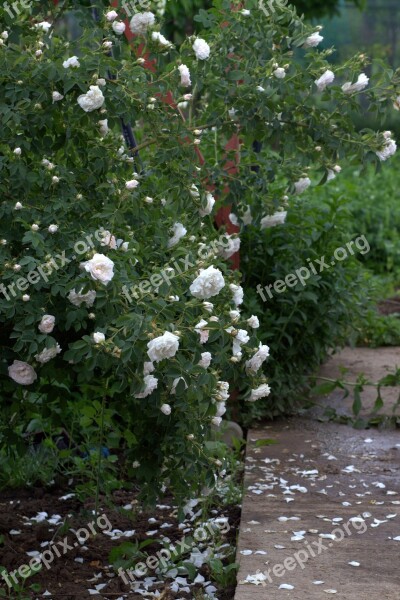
(321, 514)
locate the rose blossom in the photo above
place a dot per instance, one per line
(47, 323)
(22, 373)
(277, 218)
(151, 384)
(77, 298)
(92, 100)
(47, 354)
(164, 346)
(206, 210)
(101, 268)
(209, 283)
(260, 392)
(205, 360)
(313, 40)
(302, 184)
(255, 362)
(326, 79)
(141, 22)
(185, 75)
(201, 49)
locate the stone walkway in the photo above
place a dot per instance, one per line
(321, 513)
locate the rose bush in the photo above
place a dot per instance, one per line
(119, 311)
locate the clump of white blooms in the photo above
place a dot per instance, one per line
(209, 283)
(164, 346)
(101, 268)
(313, 40)
(326, 79)
(358, 86)
(92, 100)
(201, 49)
(277, 218)
(185, 75)
(141, 22)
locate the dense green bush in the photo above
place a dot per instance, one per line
(303, 323)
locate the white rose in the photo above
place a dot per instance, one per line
(280, 73)
(22, 373)
(216, 421)
(166, 409)
(185, 75)
(358, 86)
(254, 363)
(237, 292)
(141, 22)
(231, 248)
(261, 392)
(118, 27)
(205, 360)
(302, 184)
(151, 384)
(201, 49)
(4, 35)
(44, 26)
(53, 228)
(18, 151)
(101, 268)
(71, 62)
(77, 298)
(47, 323)
(92, 100)
(209, 283)
(389, 148)
(253, 322)
(18, 206)
(203, 333)
(313, 40)
(57, 96)
(179, 231)
(164, 346)
(206, 210)
(48, 354)
(156, 36)
(326, 79)
(111, 15)
(132, 184)
(99, 337)
(103, 123)
(277, 218)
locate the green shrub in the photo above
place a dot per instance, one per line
(302, 324)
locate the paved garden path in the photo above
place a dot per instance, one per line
(321, 513)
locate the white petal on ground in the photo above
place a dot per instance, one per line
(286, 586)
(354, 563)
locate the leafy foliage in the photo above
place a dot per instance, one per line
(70, 191)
